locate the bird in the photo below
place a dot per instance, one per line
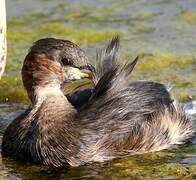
(119, 119)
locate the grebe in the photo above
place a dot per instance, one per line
(118, 119)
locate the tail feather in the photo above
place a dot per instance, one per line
(130, 66)
(107, 59)
(172, 127)
(111, 75)
(180, 125)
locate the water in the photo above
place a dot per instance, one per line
(162, 32)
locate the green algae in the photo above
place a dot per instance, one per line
(163, 60)
(83, 36)
(151, 166)
(144, 29)
(27, 19)
(169, 69)
(156, 165)
(11, 90)
(189, 17)
(105, 14)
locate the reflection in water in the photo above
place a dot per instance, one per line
(9, 112)
(136, 167)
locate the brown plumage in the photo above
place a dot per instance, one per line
(119, 118)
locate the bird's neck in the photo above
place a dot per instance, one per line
(39, 94)
(56, 129)
(50, 102)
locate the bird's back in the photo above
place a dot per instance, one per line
(121, 119)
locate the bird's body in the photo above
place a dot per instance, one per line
(118, 119)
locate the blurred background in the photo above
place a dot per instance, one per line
(161, 32)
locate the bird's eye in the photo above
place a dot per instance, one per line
(66, 61)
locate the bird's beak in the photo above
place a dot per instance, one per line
(80, 73)
(86, 74)
(73, 73)
(77, 79)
